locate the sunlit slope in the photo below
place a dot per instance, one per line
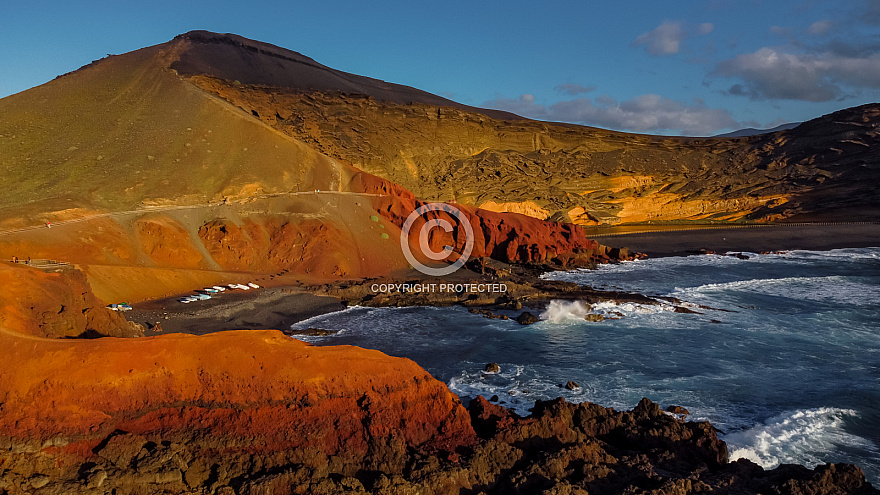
(826, 168)
(127, 132)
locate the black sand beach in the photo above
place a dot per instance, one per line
(684, 240)
(280, 307)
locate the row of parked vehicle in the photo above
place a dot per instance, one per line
(206, 293)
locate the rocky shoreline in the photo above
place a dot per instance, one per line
(561, 448)
(286, 417)
(299, 419)
(484, 285)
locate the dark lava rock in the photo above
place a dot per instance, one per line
(492, 368)
(485, 313)
(682, 309)
(561, 448)
(677, 410)
(594, 317)
(313, 332)
(570, 385)
(526, 318)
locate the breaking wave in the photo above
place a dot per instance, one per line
(802, 437)
(565, 311)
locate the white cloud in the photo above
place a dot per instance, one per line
(665, 39)
(781, 31)
(820, 27)
(772, 73)
(574, 89)
(523, 105)
(645, 113)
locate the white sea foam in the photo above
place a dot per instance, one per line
(308, 322)
(610, 307)
(565, 311)
(834, 288)
(673, 264)
(517, 386)
(852, 254)
(319, 339)
(801, 437)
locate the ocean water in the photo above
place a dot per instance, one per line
(786, 364)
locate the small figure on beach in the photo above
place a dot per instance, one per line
(48, 225)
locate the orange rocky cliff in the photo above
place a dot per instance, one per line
(85, 410)
(56, 305)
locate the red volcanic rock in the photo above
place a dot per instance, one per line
(507, 237)
(56, 305)
(276, 243)
(226, 394)
(167, 243)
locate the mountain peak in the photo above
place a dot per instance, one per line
(236, 58)
(240, 42)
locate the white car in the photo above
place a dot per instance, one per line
(253, 285)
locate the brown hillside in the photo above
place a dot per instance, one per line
(442, 150)
(821, 169)
(140, 172)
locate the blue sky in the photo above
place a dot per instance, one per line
(684, 67)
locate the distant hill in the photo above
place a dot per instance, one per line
(751, 131)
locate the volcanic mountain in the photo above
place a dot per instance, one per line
(139, 167)
(213, 158)
(820, 170)
(218, 154)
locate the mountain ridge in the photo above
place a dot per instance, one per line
(751, 131)
(203, 58)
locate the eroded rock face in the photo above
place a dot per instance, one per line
(56, 305)
(278, 243)
(502, 236)
(178, 412)
(167, 243)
